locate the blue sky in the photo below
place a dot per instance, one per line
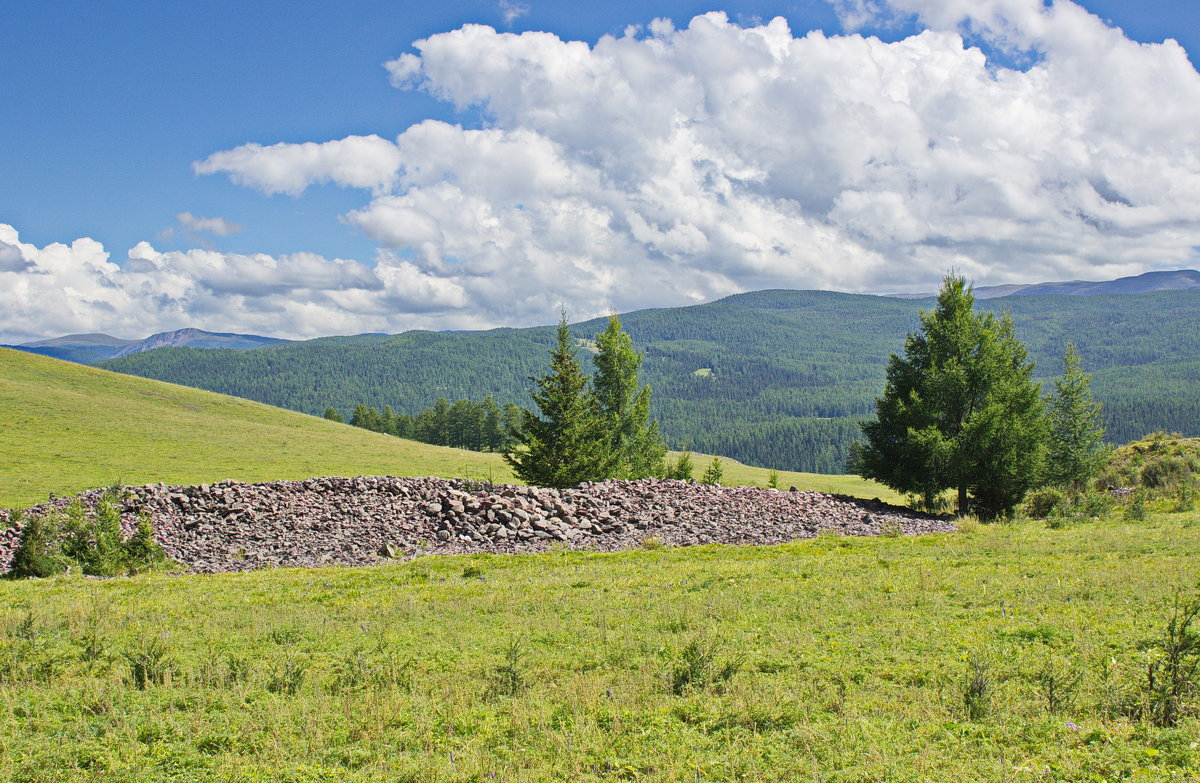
(109, 105)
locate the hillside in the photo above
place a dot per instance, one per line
(772, 378)
(68, 428)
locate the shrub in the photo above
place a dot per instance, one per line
(89, 541)
(681, 469)
(1045, 502)
(1058, 680)
(1137, 506)
(1187, 499)
(149, 663)
(287, 677)
(653, 542)
(977, 688)
(1159, 462)
(1173, 670)
(509, 678)
(695, 668)
(38, 554)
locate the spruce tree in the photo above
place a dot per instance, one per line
(626, 405)
(959, 411)
(493, 432)
(714, 473)
(568, 443)
(1076, 433)
(332, 415)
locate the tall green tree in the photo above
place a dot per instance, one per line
(626, 405)
(959, 411)
(1075, 442)
(568, 443)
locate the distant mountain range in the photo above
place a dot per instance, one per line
(92, 348)
(1177, 280)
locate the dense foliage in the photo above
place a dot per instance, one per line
(1075, 436)
(462, 424)
(774, 378)
(89, 543)
(625, 405)
(566, 442)
(1159, 462)
(959, 411)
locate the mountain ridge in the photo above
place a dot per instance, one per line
(94, 347)
(1147, 282)
(774, 378)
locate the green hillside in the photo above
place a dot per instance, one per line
(66, 428)
(772, 378)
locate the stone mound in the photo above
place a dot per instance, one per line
(234, 526)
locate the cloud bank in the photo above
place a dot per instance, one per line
(62, 289)
(675, 165)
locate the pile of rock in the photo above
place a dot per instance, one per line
(233, 526)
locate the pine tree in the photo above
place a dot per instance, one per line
(1075, 450)
(714, 473)
(493, 432)
(681, 469)
(568, 443)
(332, 414)
(635, 438)
(959, 411)
(387, 420)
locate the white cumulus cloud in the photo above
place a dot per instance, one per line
(688, 163)
(61, 289)
(355, 161)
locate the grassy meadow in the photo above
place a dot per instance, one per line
(67, 428)
(1009, 652)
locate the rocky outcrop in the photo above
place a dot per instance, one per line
(233, 526)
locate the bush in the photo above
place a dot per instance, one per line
(1159, 462)
(1173, 673)
(977, 689)
(511, 677)
(695, 668)
(38, 554)
(1045, 502)
(1137, 506)
(88, 541)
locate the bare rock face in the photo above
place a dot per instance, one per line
(232, 526)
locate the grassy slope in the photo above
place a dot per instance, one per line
(855, 658)
(66, 428)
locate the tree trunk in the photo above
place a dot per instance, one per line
(962, 499)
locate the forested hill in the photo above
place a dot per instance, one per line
(772, 378)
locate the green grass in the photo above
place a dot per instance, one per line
(66, 428)
(851, 657)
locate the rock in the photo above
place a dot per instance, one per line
(233, 527)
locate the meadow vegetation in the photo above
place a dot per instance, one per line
(1015, 651)
(70, 428)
